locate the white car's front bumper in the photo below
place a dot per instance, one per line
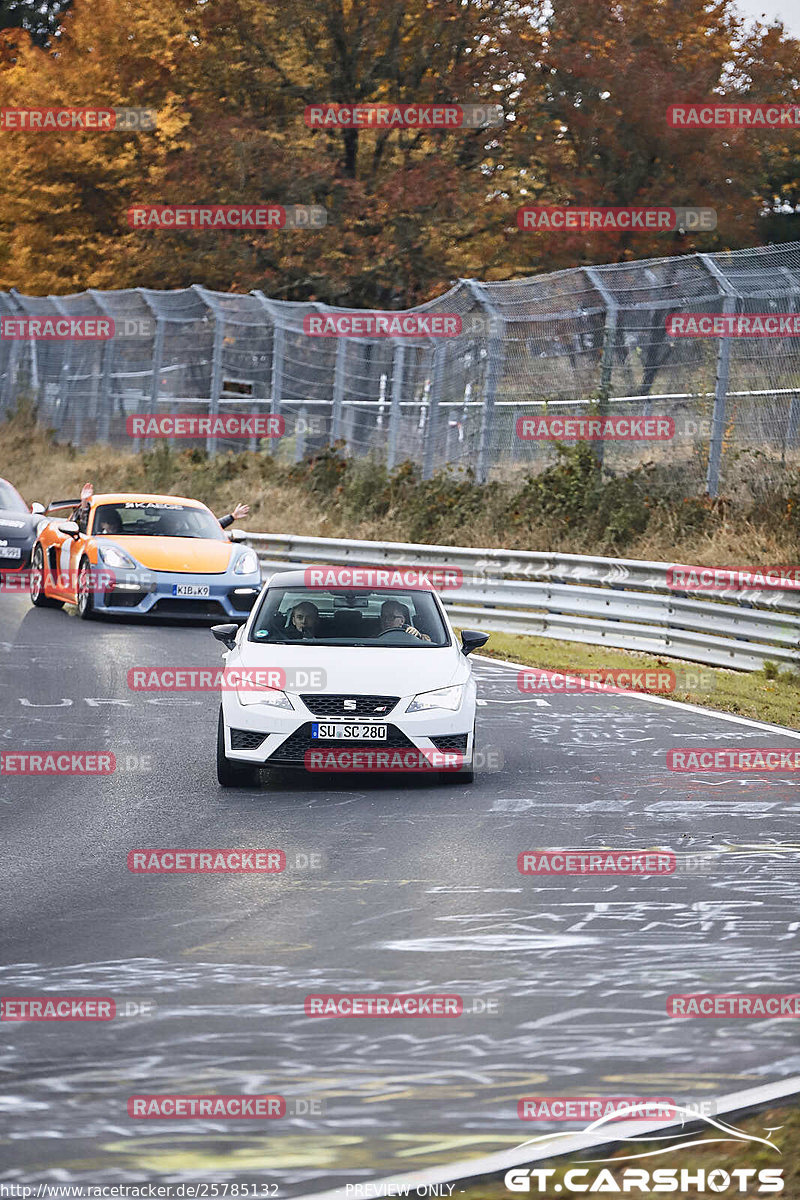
(264, 735)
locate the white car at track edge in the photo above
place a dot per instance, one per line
(343, 678)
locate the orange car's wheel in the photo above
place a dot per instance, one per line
(85, 600)
(38, 595)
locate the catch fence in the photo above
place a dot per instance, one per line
(578, 341)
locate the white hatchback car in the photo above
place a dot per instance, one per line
(340, 678)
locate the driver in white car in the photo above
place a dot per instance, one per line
(393, 616)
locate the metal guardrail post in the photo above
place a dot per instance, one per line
(395, 412)
(432, 414)
(609, 346)
(729, 305)
(494, 370)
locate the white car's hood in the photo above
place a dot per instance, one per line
(357, 670)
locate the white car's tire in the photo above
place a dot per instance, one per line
(231, 774)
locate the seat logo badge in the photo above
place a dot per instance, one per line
(350, 705)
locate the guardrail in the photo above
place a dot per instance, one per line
(615, 602)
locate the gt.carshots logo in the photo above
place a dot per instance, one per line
(391, 1005)
(57, 1008)
(218, 862)
(626, 1179)
(708, 758)
(263, 1108)
(603, 429)
(404, 578)
(56, 762)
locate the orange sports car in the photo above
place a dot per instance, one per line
(130, 553)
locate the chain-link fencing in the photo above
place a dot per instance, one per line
(583, 341)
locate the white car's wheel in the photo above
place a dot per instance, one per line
(231, 774)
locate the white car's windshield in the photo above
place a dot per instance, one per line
(349, 617)
(155, 519)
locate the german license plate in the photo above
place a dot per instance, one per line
(10, 552)
(201, 590)
(349, 733)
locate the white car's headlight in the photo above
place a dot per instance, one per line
(270, 696)
(246, 564)
(448, 697)
(112, 556)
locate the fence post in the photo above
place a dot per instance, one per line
(609, 346)
(338, 391)
(216, 378)
(494, 370)
(276, 366)
(729, 305)
(155, 382)
(432, 414)
(395, 412)
(793, 419)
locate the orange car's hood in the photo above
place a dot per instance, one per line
(183, 555)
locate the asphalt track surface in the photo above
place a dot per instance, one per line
(417, 890)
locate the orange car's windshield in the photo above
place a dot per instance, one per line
(140, 518)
